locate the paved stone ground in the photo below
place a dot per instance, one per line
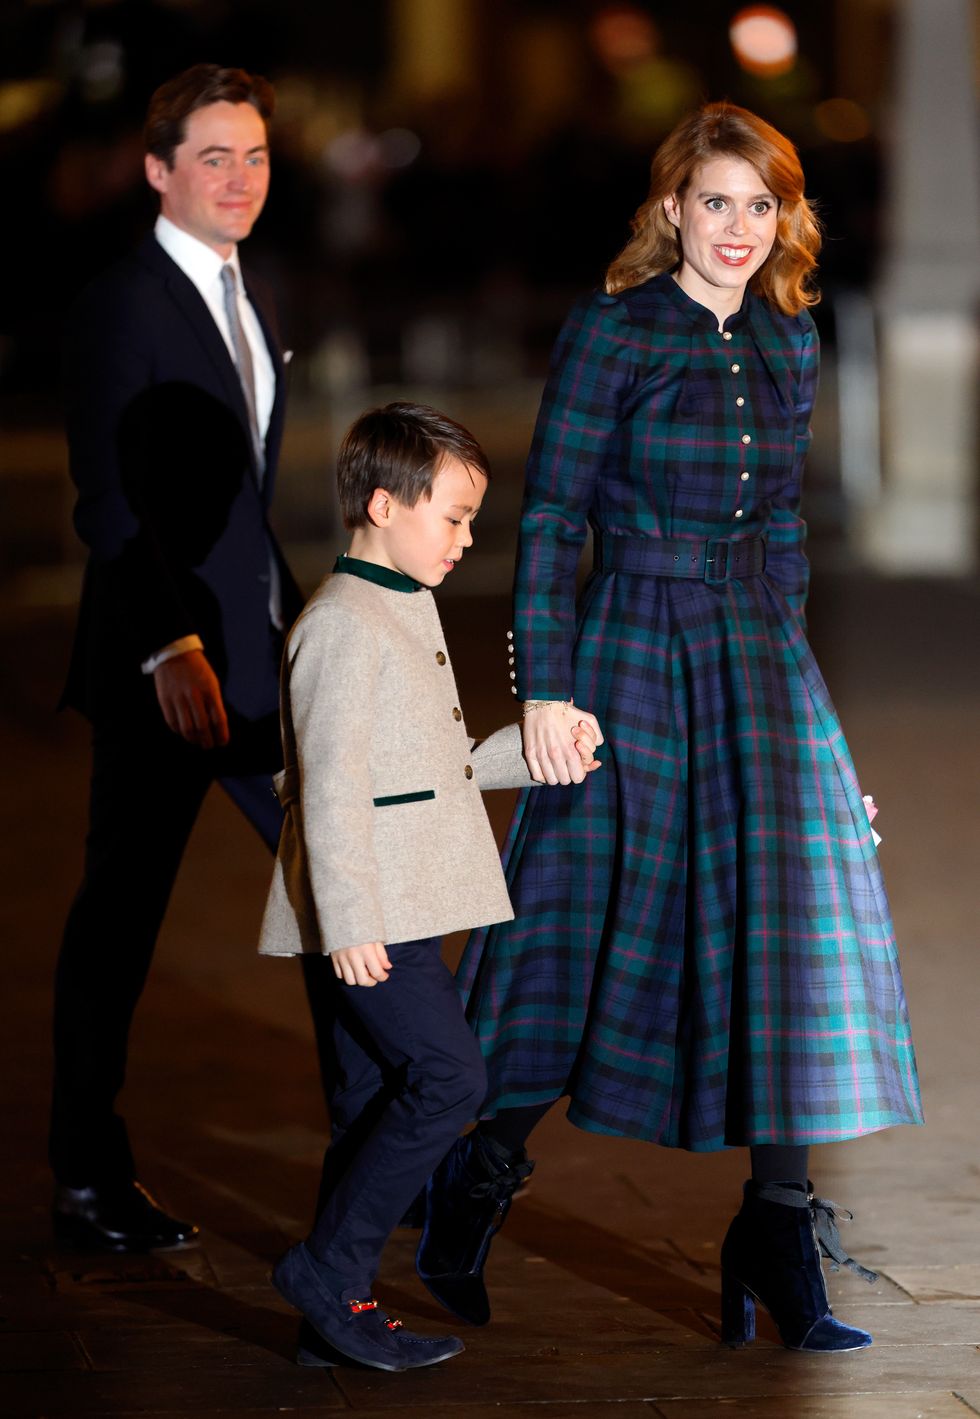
(605, 1282)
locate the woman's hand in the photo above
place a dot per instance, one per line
(549, 748)
(361, 965)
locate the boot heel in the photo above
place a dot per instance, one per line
(737, 1312)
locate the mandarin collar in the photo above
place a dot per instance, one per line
(381, 576)
(698, 314)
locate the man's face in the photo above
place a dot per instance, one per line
(218, 184)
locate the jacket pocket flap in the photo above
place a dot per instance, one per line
(405, 798)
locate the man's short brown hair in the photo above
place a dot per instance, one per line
(399, 447)
(197, 87)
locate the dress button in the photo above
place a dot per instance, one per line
(513, 674)
(513, 689)
(744, 476)
(468, 771)
(726, 334)
(736, 368)
(746, 438)
(510, 635)
(440, 658)
(457, 713)
(738, 512)
(739, 401)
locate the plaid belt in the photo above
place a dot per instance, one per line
(716, 560)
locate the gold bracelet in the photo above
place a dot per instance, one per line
(530, 705)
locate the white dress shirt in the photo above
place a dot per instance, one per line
(202, 265)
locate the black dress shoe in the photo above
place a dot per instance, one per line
(120, 1218)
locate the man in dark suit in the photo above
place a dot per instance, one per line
(175, 398)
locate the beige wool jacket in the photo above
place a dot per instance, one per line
(385, 836)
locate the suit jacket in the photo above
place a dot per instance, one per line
(385, 836)
(168, 505)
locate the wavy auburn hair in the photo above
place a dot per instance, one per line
(721, 130)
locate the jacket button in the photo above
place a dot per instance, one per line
(468, 771)
(440, 658)
(457, 713)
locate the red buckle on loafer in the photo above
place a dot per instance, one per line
(358, 1306)
(393, 1324)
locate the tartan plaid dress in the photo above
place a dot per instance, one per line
(702, 953)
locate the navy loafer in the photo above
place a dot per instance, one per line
(338, 1330)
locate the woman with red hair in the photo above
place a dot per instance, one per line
(702, 954)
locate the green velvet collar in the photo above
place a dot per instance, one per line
(370, 571)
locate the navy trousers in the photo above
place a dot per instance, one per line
(147, 789)
(409, 1077)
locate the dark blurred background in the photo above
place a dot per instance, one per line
(447, 176)
(467, 161)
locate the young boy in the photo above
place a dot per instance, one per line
(385, 847)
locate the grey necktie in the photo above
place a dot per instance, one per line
(243, 360)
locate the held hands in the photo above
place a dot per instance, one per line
(560, 742)
(190, 698)
(584, 738)
(361, 965)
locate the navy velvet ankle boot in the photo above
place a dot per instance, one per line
(468, 1197)
(772, 1254)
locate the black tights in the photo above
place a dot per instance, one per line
(511, 1128)
(771, 1162)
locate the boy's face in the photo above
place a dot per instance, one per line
(426, 541)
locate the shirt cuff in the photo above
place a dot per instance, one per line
(180, 647)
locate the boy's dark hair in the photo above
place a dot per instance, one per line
(399, 447)
(203, 84)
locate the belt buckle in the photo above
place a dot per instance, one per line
(716, 562)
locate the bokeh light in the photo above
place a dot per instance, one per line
(763, 39)
(623, 36)
(23, 100)
(842, 120)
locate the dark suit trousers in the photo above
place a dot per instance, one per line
(409, 1077)
(147, 789)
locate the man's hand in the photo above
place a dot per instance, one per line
(550, 750)
(361, 965)
(190, 698)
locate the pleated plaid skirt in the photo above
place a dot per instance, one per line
(702, 953)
